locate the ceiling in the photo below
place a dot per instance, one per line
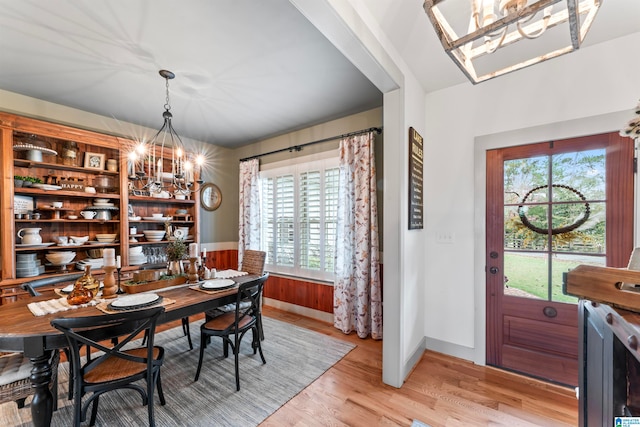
(245, 70)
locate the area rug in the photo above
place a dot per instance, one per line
(295, 358)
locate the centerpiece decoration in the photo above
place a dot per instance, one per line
(176, 251)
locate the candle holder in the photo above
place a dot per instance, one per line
(120, 291)
(110, 289)
(193, 270)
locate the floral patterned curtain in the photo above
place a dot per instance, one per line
(357, 301)
(249, 207)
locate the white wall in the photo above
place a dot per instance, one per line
(586, 92)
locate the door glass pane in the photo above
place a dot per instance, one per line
(522, 175)
(554, 220)
(517, 236)
(525, 275)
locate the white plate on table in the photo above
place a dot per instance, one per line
(135, 300)
(217, 284)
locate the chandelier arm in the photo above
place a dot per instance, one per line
(545, 23)
(497, 45)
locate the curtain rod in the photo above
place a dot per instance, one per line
(299, 147)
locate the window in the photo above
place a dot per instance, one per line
(299, 218)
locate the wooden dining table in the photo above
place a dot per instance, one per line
(22, 331)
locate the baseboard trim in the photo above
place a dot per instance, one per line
(297, 309)
(455, 350)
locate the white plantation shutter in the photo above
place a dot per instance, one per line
(330, 216)
(309, 220)
(299, 205)
(284, 216)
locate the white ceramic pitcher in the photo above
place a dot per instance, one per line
(30, 236)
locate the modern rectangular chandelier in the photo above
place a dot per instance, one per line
(480, 35)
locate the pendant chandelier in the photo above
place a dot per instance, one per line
(479, 35)
(162, 164)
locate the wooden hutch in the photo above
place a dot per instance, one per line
(61, 167)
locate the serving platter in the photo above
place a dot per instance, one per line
(153, 218)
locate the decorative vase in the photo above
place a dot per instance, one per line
(175, 268)
(87, 281)
(80, 294)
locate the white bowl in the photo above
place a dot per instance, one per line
(79, 240)
(101, 201)
(157, 215)
(106, 235)
(153, 231)
(60, 257)
(136, 250)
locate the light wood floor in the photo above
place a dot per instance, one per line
(441, 391)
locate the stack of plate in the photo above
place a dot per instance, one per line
(94, 263)
(102, 203)
(28, 265)
(136, 257)
(153, 235)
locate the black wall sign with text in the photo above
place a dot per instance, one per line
(416, 194)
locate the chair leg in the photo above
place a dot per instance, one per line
(260, 327)
(203, 345)
(236, 352)
(258, 344)
(160, 392)
(94, 411)
(185, 329)
(150, 400)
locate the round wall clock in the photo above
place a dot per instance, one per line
(210, 197)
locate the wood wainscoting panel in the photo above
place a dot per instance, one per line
(222, 260)
(313, 295)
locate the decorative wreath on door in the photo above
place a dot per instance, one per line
(559, 230)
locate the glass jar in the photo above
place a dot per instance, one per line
(69, 153)
(80, 293)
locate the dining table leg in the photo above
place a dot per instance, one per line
(42, 403)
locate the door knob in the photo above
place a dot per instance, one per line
(494, 270)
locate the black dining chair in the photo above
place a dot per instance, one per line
(232, 326)
(253, 263)
(117, 367)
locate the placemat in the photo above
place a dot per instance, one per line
(210, 291)
(103, 306)
(51, 306)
